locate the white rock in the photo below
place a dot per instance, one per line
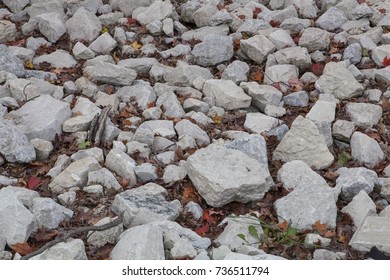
(313, 239)
(163, 128)
(186, 75)
(213, 50)
(281, 39)
(314, 39)
(353, 180)
(51, 25)
(322, 111)
(158, 10)
(379, 53)
(364, 115)
(103, 44)
(366, 150)
(360, 207)
(57, 59)
(185, 127)
(110, 74)
(297, 56)
(105, 178)
(42, 148)
(331, 20)
(72, 249)
(7, 31)
(258, 122)
(80, 51)
(109, 236)
(83, 26)
(257, 48)
(123, 165)
(48, 213)
(262, 95)
(342, 130)
(173, 173)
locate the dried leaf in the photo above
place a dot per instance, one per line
(135, 45)
(277, 86)
(317, 68)
(44, 234)
(283, 225)
(256, 76)
(131, 21)
(190, 194)
(320, 228)
(217, 119)
(124, 182)
(256, 11)
(274, 23)
(34, 182)
(203, 230)
(42, 170)
(127, 122)
(104, 29)
(382, 10)
(22, 248)
(386, 61)
(28, 65)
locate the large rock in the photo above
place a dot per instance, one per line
(307, 203)
(158, 11)
(75, 175)
(337, 80)
(14, 145)
(48, 213)
(42, 117)
(52, 26)
(185, 127)
(262, 95)
(16, 222)
(297, 56)
(304, 142)
(360, 207)
(10, 62)
(257, 48)
(7, 31)
(186, 74)
(145, 204)
(314, 39)
(239, 177)
(366, 150)
(72, 249)
(201, 33)
(57, 59)
(364, 115)
(122, 164)
(331, 20)
(226, 94)
(83, 26)
(144, 242)
(213, 50)
(110, 74)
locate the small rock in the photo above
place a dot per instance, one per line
(262, 95)
(72, 249)
(314, 39)
(185, 75)
(61, 163)
(51, 25)
(364, 115)
(105, 178)
(83, 26)
(10, 62)
(342, 130)
(360, 207)
(173, 173)
(67, 198)
(103, 44)
(111, 74)
(322, 111)
(48, 213)
(237, 72)
(146, 172)
(331, 20)
(156, 11)
(185, 127)
(213, 50)
(297, 56)
(258, 122)
(80, 51)
(7, 31)
(42, 148)
(322, 254)
(195, 210)
(257, 48)
(365, 150)
(57, 59)
(313, 239)
(109, 236)
(123, 165)
(296, 99)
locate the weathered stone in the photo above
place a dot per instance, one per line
(331, 20)
(109, 236)
(365, 150)
(297, 56)
(142, 94)
(61, 163)
(128, 6)
(257, 48)
(203, 32)
(173, 173)
(171, 105)
(262, 95)
(110, 74)
(42, 148)
(213, 50)
(239, 178)
(72, 249)
(16, 6)
(313, 239)
(258, 122)
(51, 25)
(43, 7)
(48, 213)
(10, 62)
(281, 73)
(304, 142)
(342, 130)
(80, 51)
(237, 72)
(323, 254)
(123, 165)
(163, 128)
(296, 99)
(7, 31)
(185, 127)
(314, 39)
(105, 178)
(322, 111)
(364, 115)
(380, 53)
(103, 44)
(360, 207)
(83, 26)
(185, 75)
(158, 10)
(57, 59)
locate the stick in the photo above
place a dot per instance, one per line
(74, 232)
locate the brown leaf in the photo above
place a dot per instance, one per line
(256, 76)
(203, 230)
(124, 182)
(331, 175)
(127, 122)
(44, 234)
(34, 182)
(42, 170)
(190, 194)
(22, 248)
(283, 226)
(320, 228)
(274, 23)
(386, 61)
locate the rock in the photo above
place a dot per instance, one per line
(42, 117)
(258, 122)
(103, 44)
(307, 204)
(158, 10)
(373, 232)
(331, 20)
(173, 173)
(94, 152)
(203, 32)
(185, 127)
(238, 225)
(109, 236)
(16, 6)
(226, 94)
(110, 74)
(313, 239)
(61, 163)
(80, 51)
(295, 25)
(14, 145)
(296, 99)
(297, 56)
(10, 62)
(51, 25)
(145, 204)
(353, 52)
(7, 31)
(337, 80)
(185, 75)
(342, 130)
(281, 73)
(72, 249)
(379, 54)
(281, 39)
(262, 95)
(192, 104)
(57, 59)
(48, 213)
(322, 111)
(17, 223)
(67, 198)
(144, 242)
(146, 172)
(239, 178)
(128, 6)
(163, 128)
(237, 72)
(7, 181)
(171, 105)
(178, 50)
(364, 115)
(75, 175)
(39, 7)
(304, 142)
(194, 209)
(94, 190)
(360, 207)
(42, 148)
(353, 180)
(83, 26)
(123, 165)
(213, 50)
(105, 178)
(322, 254)
(142, 94)
(279, 132)
(257, 48)
(314, 39)
(365, 150)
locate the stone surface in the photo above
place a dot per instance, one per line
(105, 178)
(57, 59)
(7, 31)
(322, 111)
(110, 74)
(365, 150)
(296, 99)
(185, 127)
(109, 236)
(158, 10)
(42, 148)
(342, 130)
(72, 249)
(103, 44)
(258, 122)
(83, 26)
(304, 142)
(122, 164)
(213, 50)
(364, 115)
(262, 95)
(185, 75)
(257, 48)
(360, 207)
(51, 25)
(48, 213)
(331, 20)
(297, 56)
(237, 72)
(314, 39)
(240, 177)
(10, 62)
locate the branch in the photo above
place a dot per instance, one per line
(72, 233)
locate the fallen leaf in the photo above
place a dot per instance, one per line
(256, 11)
(386, 61)
(256, 76)
(22, 248)
(104, 29)
(45, 234)
(217, 119)
(42, 170)
(34, 182)
(135, 45)
(296, 84)
(127, 122)
(283, 225)
(320, 228)
(274, 23)
(190, 194)
(329, 234)
(241, 17)
(131, 21)
(382, 10)
(203, 230)
(317, 69)
(29, 65)
(124, 182)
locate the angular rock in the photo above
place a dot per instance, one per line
(366, 150)
(281, 73)
(185, 75)
(83, 26)
(72, 249)
(360, 207)
(75, 175)
(297, 56)
(109, 236)
(103, 44)
(80, 51)
(213, 50)
(171, 105)
(57, 59)
(110, 74)
(257, 48)
(331, 20)
(262, 95)
(258, 122)
(185, 127)
(342, 130)
(296, 99)
(158, 10)
(237, 72)
(203, 32)
(173, 173)
(337, 80)
(48, 213)
(51, 25)
(10, 62)
(312, 239)
(322, 111)
(146, 172)
(161, 128)
(239, 178)
(61, 163)
(226, 94)
(7, 31)
(364, 115)
(123, 165)
(105, 178)
(323, 254)
(42, 148)
(304, 142)
(380, 53)
(16, 6)
(142, 94)
(314, 39)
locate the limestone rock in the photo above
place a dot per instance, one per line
(366, 150)
(72, 249)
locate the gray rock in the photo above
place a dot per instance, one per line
(192, 104)
(140, 65)
(39, 7)
(373, 232)
(163, 128)
(281, 39)
(202, 16)
(382, 75)
(353, 52)
(237, 72)
(297, 56)
(295, 25)
(173, 173)
(42, 148)
(226, 94)
(353, 180)
(182, 249)
(322, 254)
(314, 39)
(109, 236)
(94, 152)
(67, 198)
(48, 213)
(364, 115)
(16, 6)
(10, 62)
(239, 178)
(203, 32)
(7, 31)
(195, 210)
(72, 249)
(258, 122)
(185, 127)
(142, 94)
(171, 105)
(141, 149)
(80, 51)
(262, 95)
(61, 163)
(279, 131)
(128, 6)
(304, 142)
(257, 48)
(83, 26)
(123, 165)
(7, 181)
(14, 145)
(213, 50)
(281, 73)
(145, 204)
(75, 175)
(313, 239)
(17, 223)
(342, 130)
(296, 99)
(57, 59)
(379, 53)
(42, 117)
(186, 74)
(105, 178)
(158, 10)
(103, 44)
(110, 73)
(178, 50)
(51, 25)
(331, 20)
(146, 172)
(322, 111)
(365, 150)
(337, 80)
(360, 207)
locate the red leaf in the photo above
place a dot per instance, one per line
(317, 68)
(382, 10)
(386, 61)
(203, 230)
(131, 21)
(241, 17)
(34, 182)
(256, 11)
(274, 23)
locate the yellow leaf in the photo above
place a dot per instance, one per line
(136, 45)
(217, 119)
(29, 65)
(104, 29)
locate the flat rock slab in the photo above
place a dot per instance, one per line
(57, 59)
(110, 73)
(42, 117)
(374, 231)
(223, 175)
(304, 142)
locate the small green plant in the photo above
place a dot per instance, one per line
(343, 158)
(84, 144)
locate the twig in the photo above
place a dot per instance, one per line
(74, 232)
(98, 125)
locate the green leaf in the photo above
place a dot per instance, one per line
(104, 29)
(343, 158)
(242, 236)
(291, 231)
(253, 232)
(365, 52)
(84, 144)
